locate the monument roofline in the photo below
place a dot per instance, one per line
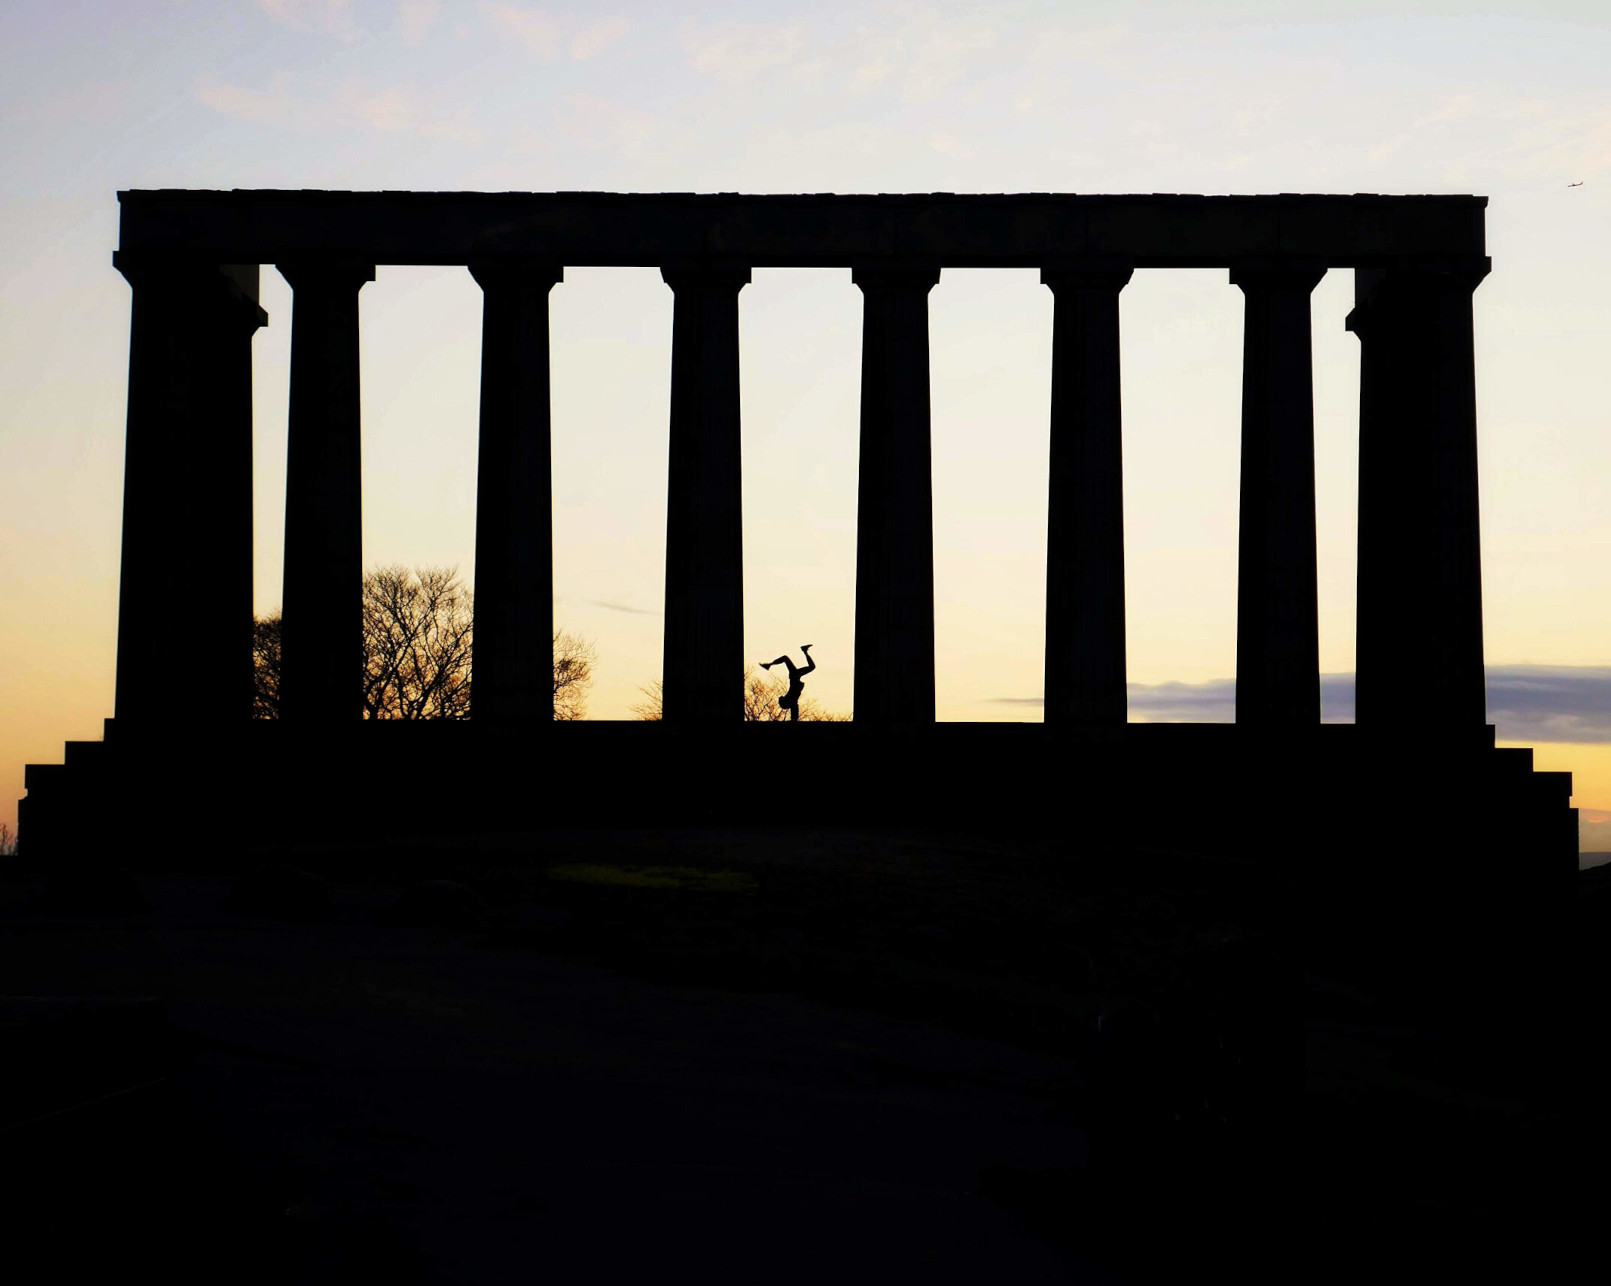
(1000, 230)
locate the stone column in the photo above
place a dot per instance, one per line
(514, 515)
(187, 495)
(1277, 612)
(1418, 654)
(894, 681)
(703, 677)
(320, 679)
(1085, 649)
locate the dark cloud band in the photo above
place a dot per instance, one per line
(1525, 702)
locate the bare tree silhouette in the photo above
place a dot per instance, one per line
(417, 644)
(573, 674)
(266, 666)
(418, 651)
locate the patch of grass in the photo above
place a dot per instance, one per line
(653, 877)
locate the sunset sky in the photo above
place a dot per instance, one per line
(1507, 100)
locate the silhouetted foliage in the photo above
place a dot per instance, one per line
(417, 644)
(648, 710)
(761, 693)
(418, 651)
(8, 840)
(573, 675)
(266, 666)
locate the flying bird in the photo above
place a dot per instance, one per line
(1578, 184)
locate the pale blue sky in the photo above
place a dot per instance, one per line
(1507, 100)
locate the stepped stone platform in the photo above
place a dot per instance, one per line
(1417, 859)
(1215, 788)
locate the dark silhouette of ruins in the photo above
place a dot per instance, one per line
(1405, 852)
(1417, 774)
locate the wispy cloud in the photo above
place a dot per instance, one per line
(395, 110)
(1211, 702)
(918, 50)
(389, 110)
(1570, 703)
(269, 107)
(544, 35)
(941, 57)
(620, 607)
(741, 51)
(950, 145)
(414, 19)
(593, 123)
(327, 17)
(869, 75)
(99, 101)
(402, 110)
(597, 37)
(1594, 830)
(534, 30)
(1550, 702)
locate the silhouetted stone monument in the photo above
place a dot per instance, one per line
(1417, 260)
(1416, 777)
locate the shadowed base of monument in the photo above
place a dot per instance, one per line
(782, 1052)
(1415, 864)
(1300, 986)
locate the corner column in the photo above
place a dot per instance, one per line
(1277, 607)
(514, 515)
(1085, 642)
(894, 681)
(187, 493)
(322, 601)
(702, 679)
(1418, 655)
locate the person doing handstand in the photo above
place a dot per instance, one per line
(790, 700)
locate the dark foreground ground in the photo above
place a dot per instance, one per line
(761, 1056)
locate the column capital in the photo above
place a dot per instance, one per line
(1442, 274)
(158, 267)
(896, 275)
(705, 274)
(519, 271)
(203, 281)
(1092, 273)
(1265, 274)
(352, 274)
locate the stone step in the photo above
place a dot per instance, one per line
(1553, 785)
(1514, 758)
(84, 753)
(1223, 783)
(41, 776)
